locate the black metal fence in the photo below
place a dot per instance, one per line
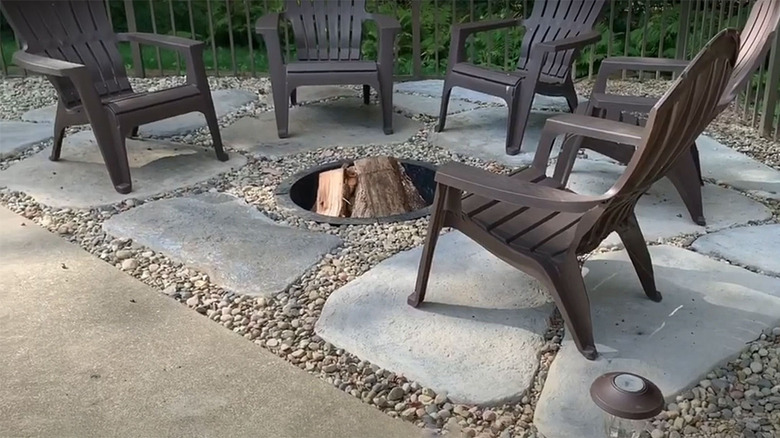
(659, 28)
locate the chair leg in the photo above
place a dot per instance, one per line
(216, 137)
(445, 101)
(686, 178)
(112, 146)
(366, 94)
(572, 300)
(516, 122)
(59, 135)
(697, 162)
(434, 227)
(634, 241)
(571, 96)
(386, 99)
(567, 157)
(281, 111)
(134, 132)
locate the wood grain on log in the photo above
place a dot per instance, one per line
(330, 193)
(379, 190)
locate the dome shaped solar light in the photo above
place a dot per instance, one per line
(629, 401)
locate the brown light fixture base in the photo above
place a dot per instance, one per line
(627, 395)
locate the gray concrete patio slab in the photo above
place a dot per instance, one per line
(477, 336)
(80, 178)
(660, 211)
(88, 351)
(346, 122)
(709, 311)
(225, 102)
(237, 246)
(736, 169)
(429, 106)
(433, 88)
(481, 133)
(756, 247)
(18, 136)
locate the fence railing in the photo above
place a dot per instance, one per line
(658, 28)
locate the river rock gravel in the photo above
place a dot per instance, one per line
(734, 400)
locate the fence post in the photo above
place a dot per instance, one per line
(682, 33)
(135, 48)
(416, 50)
(771, 92)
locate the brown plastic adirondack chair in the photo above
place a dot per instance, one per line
(533, 223)
(328, 37)
(555, 32)
(685, 175)
(73, 44)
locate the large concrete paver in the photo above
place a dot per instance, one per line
(477, 336)
(225, 102)
(240, 248)
(16, 136)
(345, 122)
(429, 106)
(736, 169)
(88, 351)
(481, 133)
(709, 311)
(757, 247)
(80, 178)
(661, 212)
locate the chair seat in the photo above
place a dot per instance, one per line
(622, 102)
(331, 66)
(523, 228)
(510, 78)
(139, 101)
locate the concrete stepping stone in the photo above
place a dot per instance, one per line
(661, 212)
(709, 311)
(477, 336)
(433, 88)
(736, 169)
(757, 247)
(18, 136)
(80, 178)
(481, 133)
(225, 102)
(414, 104)
(346, 122)
(237, 246)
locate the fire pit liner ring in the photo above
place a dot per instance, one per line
(298, 193)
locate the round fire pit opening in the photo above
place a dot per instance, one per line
(299, 193)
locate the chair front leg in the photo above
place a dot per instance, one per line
(434, 228)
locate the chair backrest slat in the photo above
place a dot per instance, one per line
(756, 39)
(674, 123)
(557, 19)
(327, 30)
(76, 31)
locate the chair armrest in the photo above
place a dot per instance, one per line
(48, 66)
(388, 28)
(575, 42)
(268, 23)
(595, 128)
(386, 22)
(620, 63)
(163, 41)
(500, 187)
(461, 31)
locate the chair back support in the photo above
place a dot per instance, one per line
(558, 19)
(756, 39)
(327, 30)
(674, 123)
(76, 31)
